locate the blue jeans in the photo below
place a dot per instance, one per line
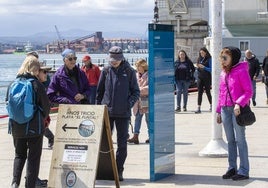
(182, 88)
(92, 97)
(254, 90)
(236, 139)
(138, 119)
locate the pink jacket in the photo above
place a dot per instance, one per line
(143, 85)
(239, 84)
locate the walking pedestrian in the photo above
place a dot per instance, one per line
(184, 73)
(93, 74)
(265, 74)
(119, 90)
(204, 67)
(28, 145)
(141, 106)
(235, 91)
(254, 70)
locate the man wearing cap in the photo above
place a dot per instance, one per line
(119, 90)
(69, 84)
(93, 74)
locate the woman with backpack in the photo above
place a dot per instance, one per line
(184, 71)
(28, 136)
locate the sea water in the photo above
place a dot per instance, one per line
(10, 63)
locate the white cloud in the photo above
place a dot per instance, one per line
(18, 16)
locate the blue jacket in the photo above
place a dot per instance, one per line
(62, 89)
(118, 89)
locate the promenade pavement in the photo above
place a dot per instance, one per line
(192, 134)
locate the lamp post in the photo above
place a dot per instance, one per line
(216, 147)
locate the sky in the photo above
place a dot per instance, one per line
(27, 17)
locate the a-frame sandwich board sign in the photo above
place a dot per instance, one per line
(82, 133)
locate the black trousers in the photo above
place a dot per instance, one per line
(30, 149)
(48, 134)
(121, 125)
(201, 84)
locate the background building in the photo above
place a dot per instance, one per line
(190, 20)
(244, 26)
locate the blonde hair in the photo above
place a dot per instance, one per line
(142, 63)
(30, 65)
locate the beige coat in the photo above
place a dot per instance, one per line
(143, 85)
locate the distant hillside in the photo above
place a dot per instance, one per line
(48, 37)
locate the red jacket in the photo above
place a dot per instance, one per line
(93, 74)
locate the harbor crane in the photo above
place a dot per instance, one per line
(58, 34)
(61, 41)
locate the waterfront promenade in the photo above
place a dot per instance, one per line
(192, 134)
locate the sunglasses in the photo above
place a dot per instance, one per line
(72, 58)
(44, 71)
(224, 58)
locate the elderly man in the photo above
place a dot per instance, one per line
(254, 70)
(69, 85)
(118, 89)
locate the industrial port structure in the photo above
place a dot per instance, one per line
(95, 43)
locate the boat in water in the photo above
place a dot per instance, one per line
(22, 50)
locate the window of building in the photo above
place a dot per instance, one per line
(244, 45)
(193, 3)
(162, 4)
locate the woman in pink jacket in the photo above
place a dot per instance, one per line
(235, 91)
(141, 106)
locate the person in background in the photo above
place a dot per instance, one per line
(254, 70)
(265, 74)
(235, 91)
(44, 78)
(119, 90)
(69, 84)
(29, 146)
(93, 74)
(138, 109)
(184, 72)
(204, 68)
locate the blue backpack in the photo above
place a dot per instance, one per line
(21, 100)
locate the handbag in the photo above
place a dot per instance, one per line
(246, 116)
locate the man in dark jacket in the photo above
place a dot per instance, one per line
(119, 90)
(254, 70)
(69, 85)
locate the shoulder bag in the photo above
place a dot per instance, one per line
(246, 116)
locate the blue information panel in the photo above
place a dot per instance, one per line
(161, 101)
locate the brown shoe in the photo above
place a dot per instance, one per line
(134, 139)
